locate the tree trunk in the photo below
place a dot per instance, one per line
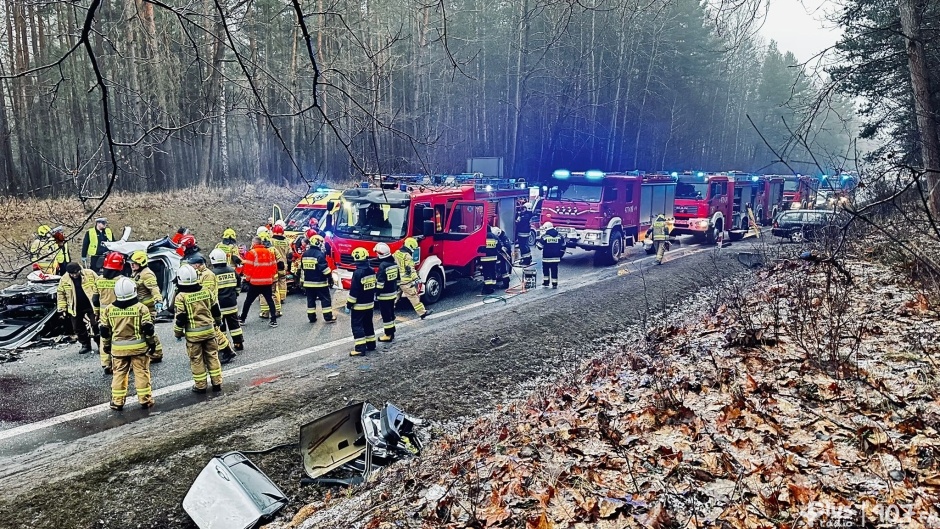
(910, 11)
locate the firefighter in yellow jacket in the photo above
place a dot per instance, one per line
(49, 251)
(408, 276)
(148, 292)
(112, 269)
(74, 295)
(127, 334)
(209, 282)
(661, 229)
(197, 316)
(282, 251)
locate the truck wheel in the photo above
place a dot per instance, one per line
(611, 254)
(532, 238)
(433, 287)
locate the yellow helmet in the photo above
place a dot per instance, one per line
(317, 240)
(411, 243)
(660, 217)
(139, 257)
(43, 230)
(229, 233)
(360, 254)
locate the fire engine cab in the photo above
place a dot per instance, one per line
(799, 192)
(708, 204)
(605, 212)
(448, 215)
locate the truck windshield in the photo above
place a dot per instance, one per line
(575, 193)
(791, 185)
(299, 218)
(690, 190)
(371, 221)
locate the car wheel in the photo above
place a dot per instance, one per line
(433, 287)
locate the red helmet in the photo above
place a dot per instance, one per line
(277, 229)
(310, 233)
(114, 261)
(313, 222)
(188, 241)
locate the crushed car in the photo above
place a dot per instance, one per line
(28, 311)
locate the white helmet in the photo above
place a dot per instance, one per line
(382, 250)
(187, 275)
(262, 229)
(125, 289)
(547, 226)
(280, 223)
(217, 256)
(529, 206)
(497, 231)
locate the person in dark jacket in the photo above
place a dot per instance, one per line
(489, 260)
(317, 280)
(361, 301)
(227, 285)
(552, 245)
(504, 264)
(387, 289)
(523, 232)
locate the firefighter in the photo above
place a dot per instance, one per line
(504, 264)
(360, 302)
(113, 269)
(490, 260)
(229, 245)
(187, 246)
(148, 293)
(93, 249)
(552, 245)
(317, 281)
(74, 298)
(180, 233)
(49, 251)
(265, 235)
(661, 230)
(523, 232)
(386, 290)
(408, 276)
(282, 251)
(197, 317)
(210, 283)
(260, 269)
(228, 299)
(127, 333)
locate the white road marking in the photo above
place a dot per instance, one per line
(98, 408)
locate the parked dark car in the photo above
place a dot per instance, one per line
(805, 224)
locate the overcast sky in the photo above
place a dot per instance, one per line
(799, 26)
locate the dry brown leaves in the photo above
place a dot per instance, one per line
(758, 437)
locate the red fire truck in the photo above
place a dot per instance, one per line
(799, 192)
(449, 215)
(606, 212)
(708, 204)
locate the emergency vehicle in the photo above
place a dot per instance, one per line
(709, 204)
(605, 212)
(448, 215)
(312, 206)
(799, 192)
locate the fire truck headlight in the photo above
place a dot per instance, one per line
(703, 223)
(592, 236)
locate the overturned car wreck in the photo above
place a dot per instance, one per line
(28, 311)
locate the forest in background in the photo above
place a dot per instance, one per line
(150, 95)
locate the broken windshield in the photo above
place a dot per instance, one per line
(575, 193)
(368, 220)
(299, 219)
(689, 190)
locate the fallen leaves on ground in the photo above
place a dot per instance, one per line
(681, 428)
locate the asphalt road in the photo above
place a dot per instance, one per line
(469, 353)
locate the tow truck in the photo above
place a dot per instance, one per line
(708, 204)
(606, 211)
(449, 215)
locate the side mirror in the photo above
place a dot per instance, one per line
(427, 227)
(427, 214)
(330, 204)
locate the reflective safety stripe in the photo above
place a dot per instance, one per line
(360, 341)
(230, 310)
(551, 240)
(388, 325)
(201, 377)
(488, 258)
(200, 329)
(143, 392)
(312, 311)
(118, 392)
(551, 259)
(363, 306)
(489, 282)
(327, 310)
(237, 332)
(124, 345)
(387, 297)
(491, 243)
(370, 338)
(215, 372)
(317, 284)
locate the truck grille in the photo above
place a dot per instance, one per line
(573, 222)
(346, 259)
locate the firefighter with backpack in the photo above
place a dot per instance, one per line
(127, 335)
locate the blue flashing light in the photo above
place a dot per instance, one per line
(594, 174)
(403, 187)
(846, 177)
(674, 174)
(322, 189)
(699, 174)
(755, 178)
(561, 174)
(825, 177)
